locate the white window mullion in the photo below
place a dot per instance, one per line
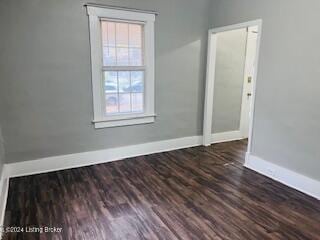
(129, 62)
(118, 92)
(123, 68)
(115, 43)
(130, 91)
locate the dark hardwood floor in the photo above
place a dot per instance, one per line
(194, 193)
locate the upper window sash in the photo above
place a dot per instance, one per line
(123, 37)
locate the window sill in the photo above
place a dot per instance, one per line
(108, 123)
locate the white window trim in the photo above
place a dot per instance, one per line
(148, 116)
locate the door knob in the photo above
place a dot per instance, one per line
(249, 94)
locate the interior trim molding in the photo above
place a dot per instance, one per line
(226, 136)
(283, 175)
(120, 8)
(62, 162)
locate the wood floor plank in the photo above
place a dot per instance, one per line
(194, 193)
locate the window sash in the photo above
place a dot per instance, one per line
(119, 68)
(124, 68)
(110, 116)
(143, 37)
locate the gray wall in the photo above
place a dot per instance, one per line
(229, 75)
(46, 85)
(45, 91)
(287, 117)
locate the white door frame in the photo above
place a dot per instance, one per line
(244, 117)
(210, 78)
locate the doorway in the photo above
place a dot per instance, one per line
(232, 64)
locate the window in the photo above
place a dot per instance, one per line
(122, 58)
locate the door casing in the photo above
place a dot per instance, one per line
(247, 86)
(210, 78)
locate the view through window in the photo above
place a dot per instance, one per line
(123, 67)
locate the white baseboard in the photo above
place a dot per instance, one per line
(290, 178)
(4, 187)
(55, 163)
(226, 136)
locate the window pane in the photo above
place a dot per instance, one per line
(110, 83)
(137, 81)
(109, 56)
(111, 28)
(104, 27)
(108, 43)
(135, 56)
(124, 102)
(122, 57)
(122, 37)
(112, 103)
(135, 35)
(137, 102)
(124, 81)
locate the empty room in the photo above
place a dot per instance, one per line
(149, 119)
